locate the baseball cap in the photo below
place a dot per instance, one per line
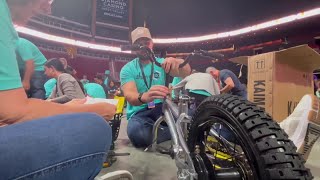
(140, 32)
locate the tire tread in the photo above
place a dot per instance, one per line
(266, 134)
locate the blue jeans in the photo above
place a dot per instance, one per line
(36, 85)
(242, 94)
(63, 147)
(141, 124)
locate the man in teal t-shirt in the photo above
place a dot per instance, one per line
(31, 64)
(94, 90)
(132, 72)
(143, 83)
(9, 71)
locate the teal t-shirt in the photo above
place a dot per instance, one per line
(26, 50)
(94, 90)
(106, 81)
(49, 85)
(131, 72)
(9, 71)
(176, 80)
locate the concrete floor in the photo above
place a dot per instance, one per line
(155, 166)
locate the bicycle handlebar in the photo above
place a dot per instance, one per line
(150, 53)
(209, 54)
(202, 53)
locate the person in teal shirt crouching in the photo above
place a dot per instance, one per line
(31, 65)
(49, 85)
(143, 85)
(94, 90)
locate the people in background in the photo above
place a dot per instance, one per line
(228, 82)
(198, 85)
(31, 64)
(84, 80)
(318, 89)
(49, 86)
(143, 85)
(99, 80)
(94, 90)
(316, 83)
(70, 70)
(67, 87)
(33, 130)
(106, 77)
(64, 62)
(113, 89)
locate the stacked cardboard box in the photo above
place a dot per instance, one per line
(278, 80)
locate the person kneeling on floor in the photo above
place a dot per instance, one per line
(143, 85)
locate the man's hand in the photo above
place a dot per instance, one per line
(170, 63)
(26, 85)
(155, 92)
(29, 70)
(171, 66)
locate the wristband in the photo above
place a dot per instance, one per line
(139, 98)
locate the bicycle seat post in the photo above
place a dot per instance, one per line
(184, 100)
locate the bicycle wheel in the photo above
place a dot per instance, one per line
(230, 138)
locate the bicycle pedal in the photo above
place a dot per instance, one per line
(313, 134)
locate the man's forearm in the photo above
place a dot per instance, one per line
(29, 69)
(132, 98)
(18, 108)
(185, 71)
(40, 109)
(226, 89)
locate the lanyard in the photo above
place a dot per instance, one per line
(144, 76)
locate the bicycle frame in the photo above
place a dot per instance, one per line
(177, 118)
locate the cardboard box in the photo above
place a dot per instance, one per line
(278, 80)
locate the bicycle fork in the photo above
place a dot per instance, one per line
(179, 151)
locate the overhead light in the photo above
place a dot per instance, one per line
(257, 27)
(68, 41)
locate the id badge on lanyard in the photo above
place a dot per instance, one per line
(151, 104)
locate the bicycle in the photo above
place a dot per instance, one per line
(260, 149)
